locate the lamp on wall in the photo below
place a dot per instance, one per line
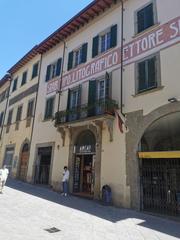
(172, 100)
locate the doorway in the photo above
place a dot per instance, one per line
(43, 164)
(24, 162)
(8, 158)
(84, 175)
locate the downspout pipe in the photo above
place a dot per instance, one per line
(62, 70)
(122, 45)
(7, 101)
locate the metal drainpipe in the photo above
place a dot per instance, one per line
(62, 69)
(8, 95)
(122, 44)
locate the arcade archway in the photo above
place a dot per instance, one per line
(159, 158)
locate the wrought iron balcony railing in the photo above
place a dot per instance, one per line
(100, 107)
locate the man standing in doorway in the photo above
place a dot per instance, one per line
(65, 181)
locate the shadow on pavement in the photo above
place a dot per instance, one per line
(112, 214)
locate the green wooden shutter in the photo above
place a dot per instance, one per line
(149, 16)
(84, 52)
(140, 20)
(48, 72)
(114, 36)
(49, 108)
(92, 98)
(95, 46)
(142, 76)
(70, 61)
(68, 104)
(152, 76)
(58, 68)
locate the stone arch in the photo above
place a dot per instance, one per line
(137, 124)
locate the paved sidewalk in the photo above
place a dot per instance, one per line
(27, 210)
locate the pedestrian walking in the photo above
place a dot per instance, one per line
(65, 181)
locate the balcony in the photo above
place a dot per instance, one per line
(82, 112)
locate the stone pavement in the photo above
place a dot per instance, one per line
(26, 210)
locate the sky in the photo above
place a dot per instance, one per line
(25, 23)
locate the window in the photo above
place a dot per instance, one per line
(77, 56)
(145, 17)
(148, 74)
(49, 108)
(19, 114)
(74, 98)
(3, 95)
(1, 118)
(74, 101)
(103, 87)
(14, 85)
(9, 120)
(35, 70)
(30, 109)
(53, 70)
(24, 78)
(104, 41)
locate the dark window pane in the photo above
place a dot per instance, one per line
(35, 70)
(152, 72)
(149, 18)
(95, 47)
(140, 20)
(114, 35)
(19, 113)
(14, 85)
(24, 78)
(142, 76)
(1, 118)
(58, 67)
(30, 109)
(9, 117)
(70, 61)
(145, 18)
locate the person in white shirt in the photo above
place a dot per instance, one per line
(1, 180)
(3, 177)
(65, 181)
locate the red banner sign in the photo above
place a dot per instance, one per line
(159, 38)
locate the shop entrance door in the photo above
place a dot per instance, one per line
(84, 175)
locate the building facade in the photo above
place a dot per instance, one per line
(108, 105)
(18, 124)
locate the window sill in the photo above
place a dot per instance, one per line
(148, 91)
(147, 30)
